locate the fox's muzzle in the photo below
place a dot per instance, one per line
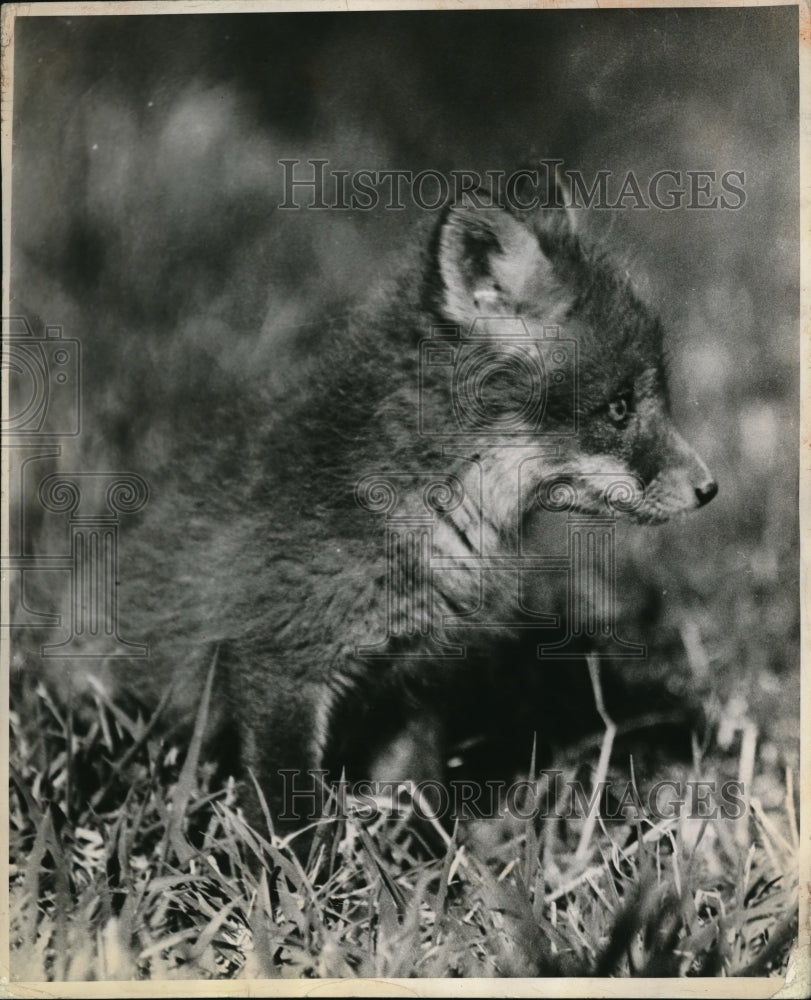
(683, 482)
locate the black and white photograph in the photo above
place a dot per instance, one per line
(401, 453)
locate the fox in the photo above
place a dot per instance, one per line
(325, 543)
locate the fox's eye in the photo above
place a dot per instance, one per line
(619, 409)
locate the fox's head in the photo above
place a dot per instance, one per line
(496, 269)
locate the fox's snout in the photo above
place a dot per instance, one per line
(682, 482)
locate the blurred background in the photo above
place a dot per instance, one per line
(145, 223)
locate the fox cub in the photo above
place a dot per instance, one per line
(344, 544)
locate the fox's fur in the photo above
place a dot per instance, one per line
(255, 550)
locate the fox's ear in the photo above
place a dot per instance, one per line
(490, 264)
(546, 205)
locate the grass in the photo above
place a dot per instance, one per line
(129, 862)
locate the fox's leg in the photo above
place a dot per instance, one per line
(415, 753)
(276, 717)
(386, 737)
(299, 736)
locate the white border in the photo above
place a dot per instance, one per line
(798, 983)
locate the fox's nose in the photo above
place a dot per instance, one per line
(706, 492)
